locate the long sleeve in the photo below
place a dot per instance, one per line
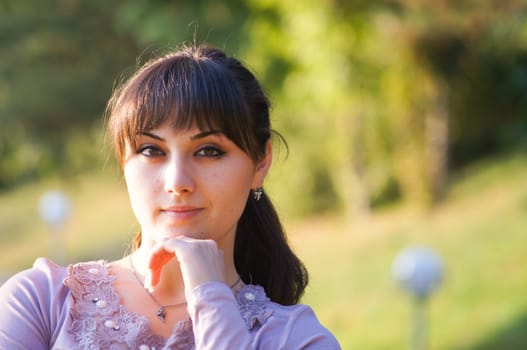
(250, 320)
(216, 318)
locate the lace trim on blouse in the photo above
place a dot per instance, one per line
(99, 321)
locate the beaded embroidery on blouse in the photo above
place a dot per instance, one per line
(99, 321)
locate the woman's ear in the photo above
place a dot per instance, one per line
(263, 166)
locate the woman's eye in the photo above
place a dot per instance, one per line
(210, 151)
(150, 151)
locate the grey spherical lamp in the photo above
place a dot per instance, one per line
(55, 209)
(419, 271)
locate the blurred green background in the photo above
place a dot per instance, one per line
(406, 122)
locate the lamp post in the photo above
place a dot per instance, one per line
(419, 271)
(54, 208)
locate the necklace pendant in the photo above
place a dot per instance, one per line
(161, 313)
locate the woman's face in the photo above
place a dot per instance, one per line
(193, 183)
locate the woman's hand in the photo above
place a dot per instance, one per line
(200, 261)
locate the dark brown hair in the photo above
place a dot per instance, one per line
(201, 86)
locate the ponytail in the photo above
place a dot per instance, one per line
(263, 257)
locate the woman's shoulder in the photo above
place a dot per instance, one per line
(301, 328)
(253, 300)
(43, 274)
(31, 294)
(296, 324)
(46, 277)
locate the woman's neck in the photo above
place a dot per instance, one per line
(170, 288)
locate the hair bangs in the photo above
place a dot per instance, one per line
(186, 92)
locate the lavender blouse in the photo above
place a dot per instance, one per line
(53, 307)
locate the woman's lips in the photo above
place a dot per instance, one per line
(181, 213)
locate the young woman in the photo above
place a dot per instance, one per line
(210, 267)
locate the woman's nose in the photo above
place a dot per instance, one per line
(178, 178)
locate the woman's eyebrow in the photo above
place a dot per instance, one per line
(205, 134)
(154, 136)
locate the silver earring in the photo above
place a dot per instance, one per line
(257, 193)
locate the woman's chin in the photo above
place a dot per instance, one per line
(185, 233)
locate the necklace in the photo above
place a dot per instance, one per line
(161, 312)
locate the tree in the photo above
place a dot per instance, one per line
(58, 65)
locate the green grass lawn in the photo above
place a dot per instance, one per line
(480, 232)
